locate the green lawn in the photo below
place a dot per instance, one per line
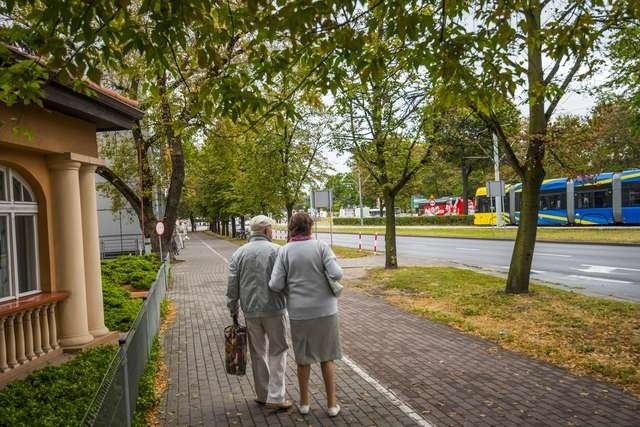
(587, 235)
(586, 335)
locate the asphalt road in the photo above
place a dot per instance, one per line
(607, 270)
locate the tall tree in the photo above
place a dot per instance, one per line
(382, 102)
(485, 66)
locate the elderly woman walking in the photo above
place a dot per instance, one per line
(301, 271)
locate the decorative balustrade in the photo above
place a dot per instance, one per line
(28, 329)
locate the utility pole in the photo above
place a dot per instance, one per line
(496, 168)
(360, 197)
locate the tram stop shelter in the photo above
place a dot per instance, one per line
(50, 283)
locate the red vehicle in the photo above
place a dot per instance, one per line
(449, 205)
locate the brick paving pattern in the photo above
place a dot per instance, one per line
(447, 377)
(201, 393)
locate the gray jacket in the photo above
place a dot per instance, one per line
(300, 273)
(249, 272)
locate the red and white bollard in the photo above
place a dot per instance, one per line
(359, 241)
(375, 244)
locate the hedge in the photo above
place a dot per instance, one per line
(56, 395)
(137, 271)
(410, 220)
(120, 310)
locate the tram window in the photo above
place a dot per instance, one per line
(483, 204)
(553, 201)
(602, 199)
(593, 199)
(505, 203)
(631, 194)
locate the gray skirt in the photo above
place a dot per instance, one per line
(316, 340)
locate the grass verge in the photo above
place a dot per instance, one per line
(576, 234)
(585, 335)
(154, 380)
(56, 395)
(340, 251)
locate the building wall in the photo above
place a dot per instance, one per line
(51, 133)
(123, 223)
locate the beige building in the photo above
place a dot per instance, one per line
(50, 287)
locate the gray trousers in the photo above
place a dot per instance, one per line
(268, 348)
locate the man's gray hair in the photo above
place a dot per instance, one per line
(259, 223)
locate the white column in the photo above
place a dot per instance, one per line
(44, 329)
(69, 252)
(95, 308)
(28, 335)
(53, 332)
(11, 344)
(3, 348)
(20, 354)
(37, 337)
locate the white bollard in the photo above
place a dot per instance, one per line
(359, 241)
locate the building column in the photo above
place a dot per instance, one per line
(69, 251)
(90, 233)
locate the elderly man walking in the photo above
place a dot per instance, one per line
(264, 311)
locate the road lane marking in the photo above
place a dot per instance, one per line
(602, 268)
(556, 255)
(467, 249)
(214, 251)
(406, 409)
(577, 276)
(628, 269)
(506, 267)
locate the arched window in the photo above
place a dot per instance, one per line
(19, 273)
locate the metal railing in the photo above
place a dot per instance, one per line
(112, 245)
(115, 401)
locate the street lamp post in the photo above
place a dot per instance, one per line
(496, 168)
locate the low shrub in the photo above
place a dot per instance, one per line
(120, 310)
(410, 220)
(137, 271)
(56, 395)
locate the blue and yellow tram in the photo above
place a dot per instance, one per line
(602, 199)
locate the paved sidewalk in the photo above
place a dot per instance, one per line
(200, 392)
(444, 376)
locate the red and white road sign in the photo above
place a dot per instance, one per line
(160, 228)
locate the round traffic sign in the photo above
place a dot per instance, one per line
(160, 228)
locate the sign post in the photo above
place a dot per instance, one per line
(160, 232)
(324, 199)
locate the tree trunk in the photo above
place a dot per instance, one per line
(242, 224)
(212, 225)
(522, 257)
(176, 181)
(391, 259)
(465, 187)
(193, 223)
(233, 227)
(289, 207)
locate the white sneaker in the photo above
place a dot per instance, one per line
(334, 410)
(304, 409)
